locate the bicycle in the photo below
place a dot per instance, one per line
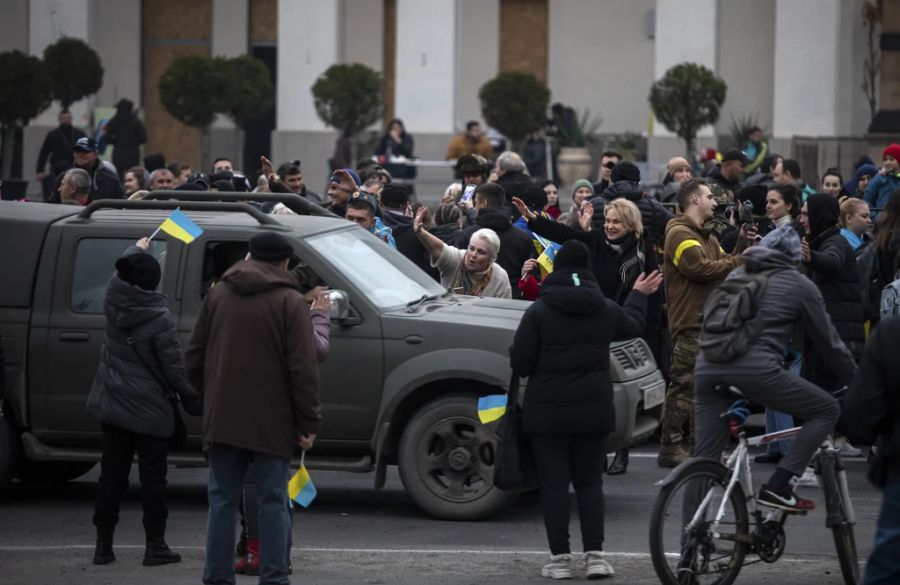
(706, 519)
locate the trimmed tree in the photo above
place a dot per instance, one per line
(193, 90)
(515, 103)
(687, 98)
(74, 69)
(25, 92)
(349, 98)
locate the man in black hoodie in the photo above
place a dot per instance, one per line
(626, 178)
(105, 182)
(515, 244)
(832, 267)
(396, 215)
(57, 148)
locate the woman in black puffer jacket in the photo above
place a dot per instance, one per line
(832, 267)
(562, 345)
(140, 364)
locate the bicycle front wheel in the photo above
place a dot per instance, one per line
(687, 546)
(844, 539)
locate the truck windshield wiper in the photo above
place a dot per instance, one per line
(423, 299)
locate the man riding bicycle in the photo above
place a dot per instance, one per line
(785, 297)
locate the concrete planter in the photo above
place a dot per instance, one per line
(574, 163)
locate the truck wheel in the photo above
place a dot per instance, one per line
(9, 449)
(50, 472)
(446, 462)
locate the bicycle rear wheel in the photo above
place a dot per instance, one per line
(696, 555)
(844, 538)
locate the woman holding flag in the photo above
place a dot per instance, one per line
(620, 254)
(562, 345)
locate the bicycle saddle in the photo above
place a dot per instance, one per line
(730, 392)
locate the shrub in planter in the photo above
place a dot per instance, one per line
(515, 104)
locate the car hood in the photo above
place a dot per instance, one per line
(466, 312)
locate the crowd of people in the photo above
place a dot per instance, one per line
(615, 261)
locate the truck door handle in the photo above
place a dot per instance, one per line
(74, 336)
(413, 339)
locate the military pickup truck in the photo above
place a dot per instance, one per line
(408, 359)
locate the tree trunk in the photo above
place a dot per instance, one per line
(239, 135)
(204, 148)
(689, 144)
(7, 146)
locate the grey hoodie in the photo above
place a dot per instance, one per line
(789, 296)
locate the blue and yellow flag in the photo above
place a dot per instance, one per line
(178, 225)
(547, 257)
(301, 488)
(492, 407)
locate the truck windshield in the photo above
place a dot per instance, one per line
(381, 273)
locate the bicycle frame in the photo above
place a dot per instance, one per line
(739, 464)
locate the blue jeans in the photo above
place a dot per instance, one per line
(780, 421)
(227, 466)
(884, 564)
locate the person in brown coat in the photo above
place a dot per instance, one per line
(253, 359)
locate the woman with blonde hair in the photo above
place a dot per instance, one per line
(620, 253)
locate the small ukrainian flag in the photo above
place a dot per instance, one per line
(547, 257)
(492, 407)
(301, 488)
(179, 226)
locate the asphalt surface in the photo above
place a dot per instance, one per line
(352, 534)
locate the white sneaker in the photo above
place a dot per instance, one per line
(808, 479)
(595, 565)
(559, 567)
(843, 446)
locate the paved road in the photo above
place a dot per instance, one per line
(353, 534)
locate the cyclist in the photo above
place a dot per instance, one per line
(758, 373)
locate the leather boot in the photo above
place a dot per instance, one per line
(159, 553)
(103, 553)
(619, 464)
(249, 563)
(671, 455)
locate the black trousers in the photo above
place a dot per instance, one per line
(119, 447)
(561, 460)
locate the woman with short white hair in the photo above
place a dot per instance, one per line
(473, 271)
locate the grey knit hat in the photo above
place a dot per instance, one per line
(582, 183)
(785, 240)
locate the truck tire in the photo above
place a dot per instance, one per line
(446, 461)
(9, 449)
(50, 472)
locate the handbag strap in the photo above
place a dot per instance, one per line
(170, 394)
(513, 392)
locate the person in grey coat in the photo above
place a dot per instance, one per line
(141, 365)
(788, 297)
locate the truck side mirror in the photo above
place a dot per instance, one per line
(340, 305)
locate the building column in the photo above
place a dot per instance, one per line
(685, 32)
(806, 68)
(230, 38)
(427, 71)
(309, 41)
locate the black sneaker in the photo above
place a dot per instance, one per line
(785, 499)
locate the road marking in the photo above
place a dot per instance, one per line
(634, 455)
(376, 551)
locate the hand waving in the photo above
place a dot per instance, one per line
(648, 283)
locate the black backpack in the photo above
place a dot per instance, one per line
(729, 324)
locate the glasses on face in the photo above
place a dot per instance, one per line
(610, 164)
